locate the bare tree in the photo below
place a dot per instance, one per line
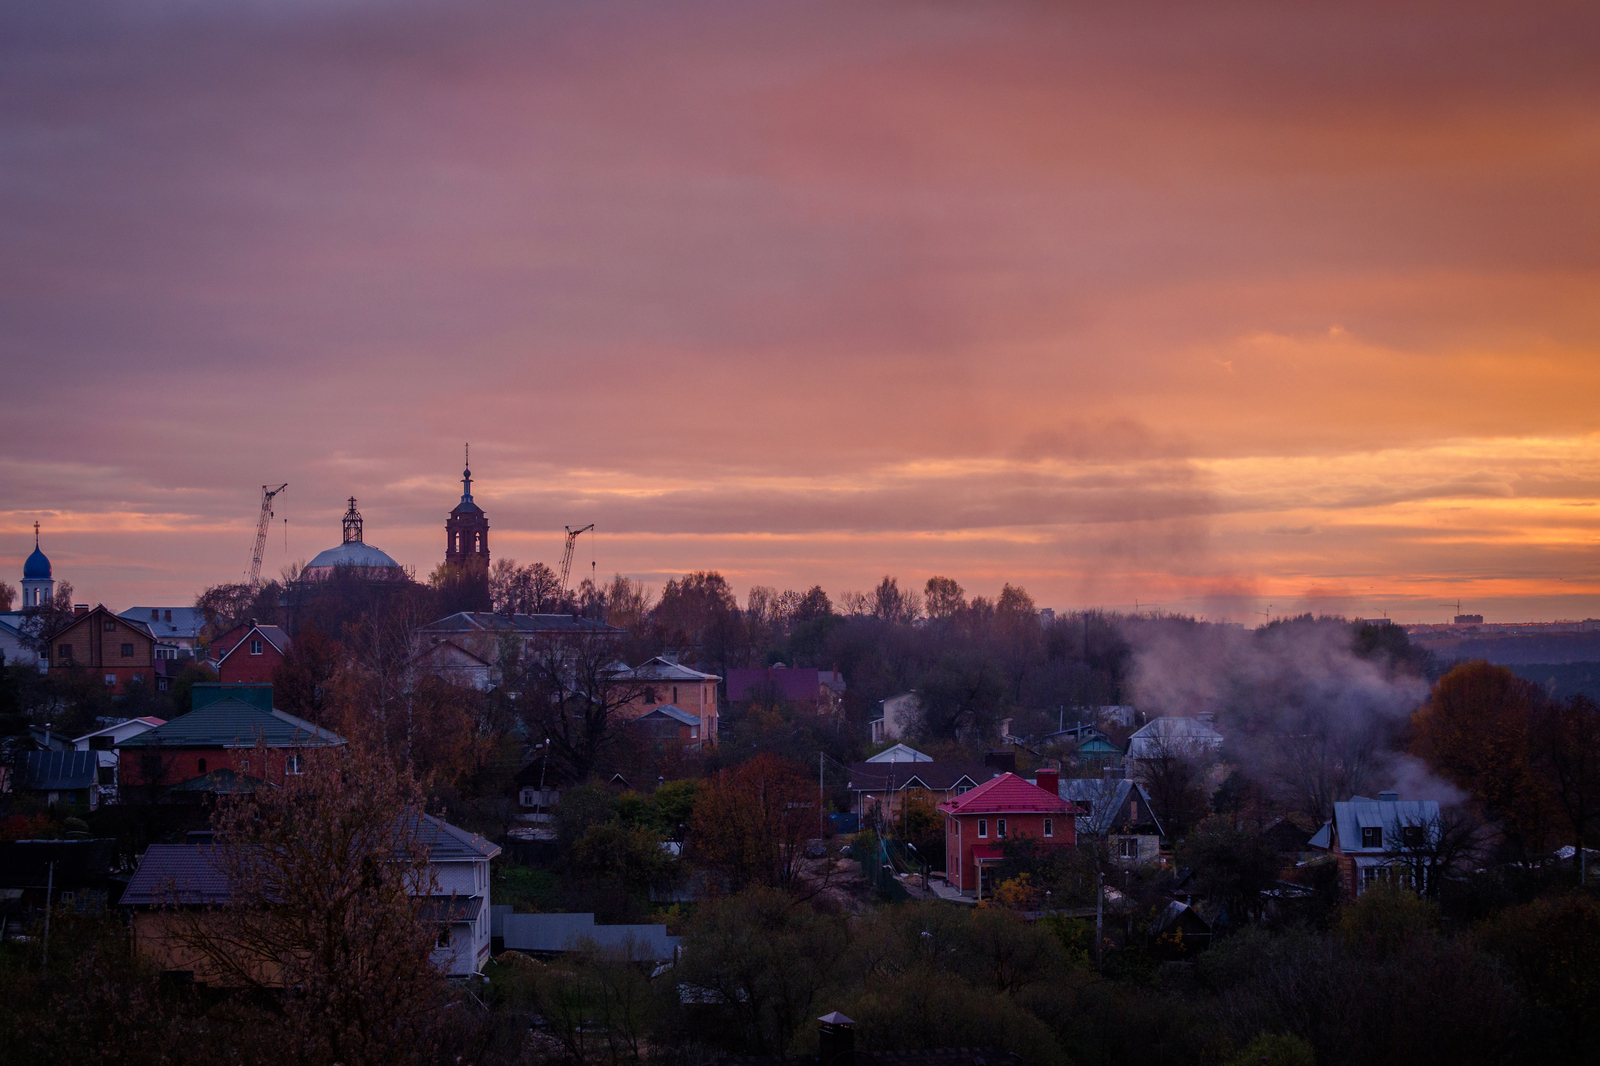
(1568, 744)
(573, 691)
(1430, 850)
(1174, 773)
(325, 912)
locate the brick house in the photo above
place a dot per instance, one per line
(669, 725)
(253, 656)
(1387, 839)
(110, 648)
(669, 684)
(232, 732)
(978, 823)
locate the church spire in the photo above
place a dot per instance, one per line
(466, 477)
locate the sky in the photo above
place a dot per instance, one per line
(1233, 309)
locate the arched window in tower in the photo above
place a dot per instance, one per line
(467, 529)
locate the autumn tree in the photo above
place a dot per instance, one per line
(325, 914)
(943, 597)
(1476, 730)
(530, 589)
(752, 823)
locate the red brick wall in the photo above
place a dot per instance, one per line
(183, 764)
(241, 666)
(962, 869)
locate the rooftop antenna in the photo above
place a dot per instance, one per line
(267, 493)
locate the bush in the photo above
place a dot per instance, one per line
(1275, 1049)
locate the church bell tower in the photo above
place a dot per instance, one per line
(467, 529)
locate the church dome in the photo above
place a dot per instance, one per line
(353, 553)
(37, 568)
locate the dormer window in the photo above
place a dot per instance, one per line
(1371, 836)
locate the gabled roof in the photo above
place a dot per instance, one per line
(933, 776)
(1007, 794)
(148, 723)
(232, 723)
(448, 843)
(185, 873)
(659, 669)
(1104, 803)
(271, 634)
(61, 771)
(451, 648)
(900, 753)
(95, 612)
(798, 683)
(186, 621)
(677, 714)
(1358, 813)
(487, 622)
(176, 873)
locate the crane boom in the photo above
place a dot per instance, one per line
(566, 556)
(267, 494)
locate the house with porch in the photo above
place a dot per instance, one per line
(979, 822)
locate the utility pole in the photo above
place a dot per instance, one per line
(49, 888)
(1099, 920)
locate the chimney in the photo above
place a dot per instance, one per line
(1388, 797)
(1050, 781)
(836, 1040)
(79, 609)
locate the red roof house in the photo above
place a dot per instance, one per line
(978, 823)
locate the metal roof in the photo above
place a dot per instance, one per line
(186, 621)
(448, 843)
(353, 553)
(232, 723)
(934, 775)
(1358, 813)
(451, 908)
(61, 771)
(659, 669)
(1007, 794)
(900, 753)
(145, 723)
(1104, 801)
(176, 873)
(569, 932)
(677, 714)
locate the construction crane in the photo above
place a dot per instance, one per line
(566, 556)
(267, 493)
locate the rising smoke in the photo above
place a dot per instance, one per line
(1302, 712)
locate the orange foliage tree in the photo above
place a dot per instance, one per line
(752, 822)
(1477, 730)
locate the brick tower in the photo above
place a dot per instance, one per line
(467, 529)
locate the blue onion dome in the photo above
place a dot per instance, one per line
(37, 568)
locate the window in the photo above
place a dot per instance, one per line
(111, 681)
(983, 827)
(1412, 836)
(110, 627)
(1130, 847)
(1049, 827)
(962, 790)
(1000, 828)
(161, 683)
(127, 651)
(65, 651)
(99, 743)
(674, 693)
(1372, 836)
(443, 939)
(292, 766)
(69, 897)
(1133, 810)
(201, 766)
(255, 647)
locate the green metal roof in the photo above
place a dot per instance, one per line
(232, 723)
